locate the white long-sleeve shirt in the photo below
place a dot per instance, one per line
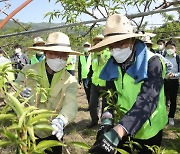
(172, 59)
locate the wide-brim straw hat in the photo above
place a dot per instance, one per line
(57, 41)
(98, 37)
(38, 40)
(147, 40)
(117, 28)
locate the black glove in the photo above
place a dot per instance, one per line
(106, 125)
(107, 143)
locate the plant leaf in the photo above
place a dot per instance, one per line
(48, 143)
(81, 145)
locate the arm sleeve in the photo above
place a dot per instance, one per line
(147, 98)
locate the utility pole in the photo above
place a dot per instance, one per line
(14, 12)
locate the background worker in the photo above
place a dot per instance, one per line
(99, 59)
(39, 56)
(61, 86)
(161, 47)
(137, 76)
(171, 83)
(19, 59)
(84, 64)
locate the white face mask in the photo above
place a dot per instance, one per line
(121, 55)
(86, 49)
(170, 51)
(56, 64)
(17, 50)
(161, 47)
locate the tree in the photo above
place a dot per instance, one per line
(95, 9)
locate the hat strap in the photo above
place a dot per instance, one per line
(58, 44)
(112, 34)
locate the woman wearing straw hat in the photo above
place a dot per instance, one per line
(62, 94)
(137, 76)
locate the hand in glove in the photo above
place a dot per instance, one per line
(107, 143)
(26, 92)
(106, 125)
(58, 125)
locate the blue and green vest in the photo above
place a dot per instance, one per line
(127, 95)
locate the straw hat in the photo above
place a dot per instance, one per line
(38, 40)
(57, 41)
(117, 28)
(87, 44)
(98, 37)
(147, 40)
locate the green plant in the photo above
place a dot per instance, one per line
(19, 120)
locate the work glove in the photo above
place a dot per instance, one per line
(106, 125)
(58, 125)
(107, 143)
(26, 92)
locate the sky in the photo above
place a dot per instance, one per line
(35, 11)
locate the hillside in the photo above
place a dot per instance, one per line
(40, 25)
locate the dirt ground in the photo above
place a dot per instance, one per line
(78, 131)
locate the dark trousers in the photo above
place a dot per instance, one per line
(94, 102)
(87, 88)
(156, 140)
(55, 150)
(171, 89)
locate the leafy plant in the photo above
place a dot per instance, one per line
(19, 121)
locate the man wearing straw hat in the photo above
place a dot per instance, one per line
(39, 56)
(137, 76)
(62, 93)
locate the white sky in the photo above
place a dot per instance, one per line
(35, 11)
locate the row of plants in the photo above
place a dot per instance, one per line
(19, 120)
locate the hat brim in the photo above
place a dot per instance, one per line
(112, 39)
(56, 48)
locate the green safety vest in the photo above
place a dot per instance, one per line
(98, 62)
(34, 60)
(127, 97)
(70, 66)
(85, 65)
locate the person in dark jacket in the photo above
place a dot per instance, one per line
(135, 75)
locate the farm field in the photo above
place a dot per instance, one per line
(78, 131)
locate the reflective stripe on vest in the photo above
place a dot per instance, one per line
(127, 97)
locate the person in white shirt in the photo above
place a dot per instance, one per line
(171, 83)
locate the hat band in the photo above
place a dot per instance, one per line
(59, 44)
(112, 34)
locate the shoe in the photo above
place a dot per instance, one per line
(92, 124)
(171, 121)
